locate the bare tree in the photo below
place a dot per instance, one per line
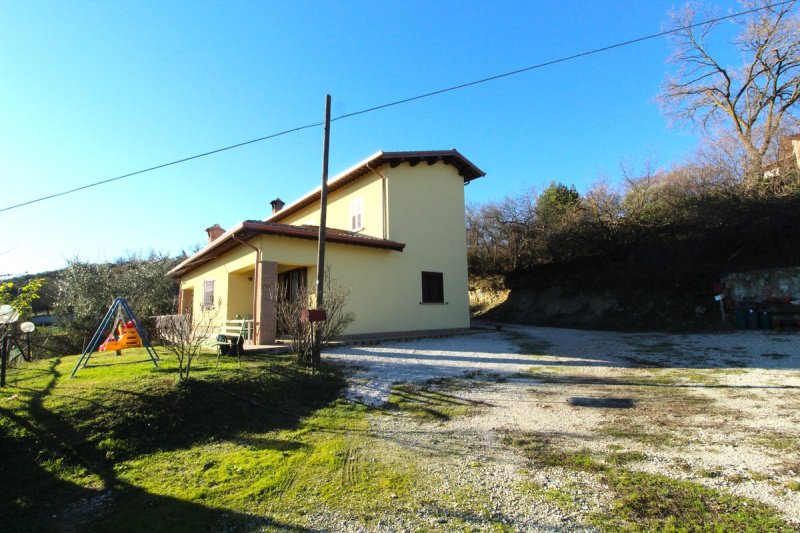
(300, 333)
(185, 336)
(288, 320)
(756, 98)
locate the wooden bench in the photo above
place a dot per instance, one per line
(230, 339)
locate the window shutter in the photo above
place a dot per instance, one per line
(208, 293)
(432, 288)
(355, 214)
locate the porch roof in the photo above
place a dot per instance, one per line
(248, 229)
(466, 169)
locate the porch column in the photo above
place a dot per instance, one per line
(265, 322)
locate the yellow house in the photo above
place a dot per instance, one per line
(395, 236)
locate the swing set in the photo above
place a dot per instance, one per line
(125, 332)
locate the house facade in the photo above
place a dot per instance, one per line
(395, 238)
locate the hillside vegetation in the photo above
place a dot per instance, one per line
(645, 255)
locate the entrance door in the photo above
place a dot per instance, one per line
(292, 283)
(187, 302)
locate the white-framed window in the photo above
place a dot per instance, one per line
(356, 214)
(208, 293)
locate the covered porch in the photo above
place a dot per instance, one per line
(253, 293)
(242, 272)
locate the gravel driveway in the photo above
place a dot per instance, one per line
(716, 409)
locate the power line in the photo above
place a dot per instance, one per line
(409, 99)
(564, 59)
(198, 156)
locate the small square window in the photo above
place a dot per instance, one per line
(208, 293)
(432, 288)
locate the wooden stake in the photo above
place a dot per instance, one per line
(4, 348)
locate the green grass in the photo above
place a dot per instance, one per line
(427, 403)
(650, 502)
(529, 345)
(560, 498)
(647, 502)
(123, 447)
(543, 453)
(625, 457)
(638, 433)
(758, 476)
(779, 442)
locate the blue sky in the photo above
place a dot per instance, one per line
(92, 90)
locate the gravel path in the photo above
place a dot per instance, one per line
(378, 367)
(717, 409)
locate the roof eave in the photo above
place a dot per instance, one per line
(310, 197)
(176, 270)
(262, 228)
(381, 157)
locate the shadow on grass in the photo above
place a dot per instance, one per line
(167, 416)
(45, 448)
(430, 403)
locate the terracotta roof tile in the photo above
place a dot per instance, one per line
(252, 228)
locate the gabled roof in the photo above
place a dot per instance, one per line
(251, 228)
(450, 157)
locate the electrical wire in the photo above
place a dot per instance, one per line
(409, 99)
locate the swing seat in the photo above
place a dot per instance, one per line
(128, 338)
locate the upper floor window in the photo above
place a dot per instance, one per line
(356, 214)
(208, 293)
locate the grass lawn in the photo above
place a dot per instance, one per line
(122, 447)
(269, 446)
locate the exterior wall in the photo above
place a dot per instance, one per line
(425, 208)
(426, 211)
(240, 293)
(238, 260)
(367, 188)
(265, 318)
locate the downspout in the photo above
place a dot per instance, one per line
(179, 310)
(383, 197)
(255, 283)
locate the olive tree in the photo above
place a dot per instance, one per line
(22, 298)
(85, 290)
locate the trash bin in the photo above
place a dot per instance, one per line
(764, 321)
(752, 319)
(741, 319)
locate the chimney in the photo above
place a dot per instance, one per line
(214, 233)
(277, 204)
(789, 150)
(796, 150)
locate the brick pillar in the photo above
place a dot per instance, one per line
(265, 321)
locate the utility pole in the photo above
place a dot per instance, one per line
(323, 199)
